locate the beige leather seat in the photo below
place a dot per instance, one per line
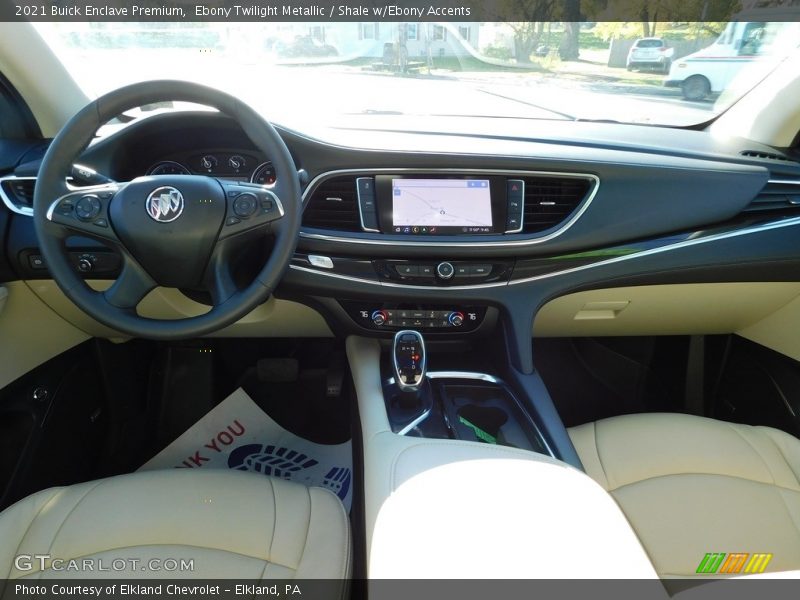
(232, 524)
(691, 485)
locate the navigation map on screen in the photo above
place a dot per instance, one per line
(442, 203)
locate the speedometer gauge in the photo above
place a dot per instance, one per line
(264, 174)
(168, 167)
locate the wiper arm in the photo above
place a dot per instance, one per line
(531, 104)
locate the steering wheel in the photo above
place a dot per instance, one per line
(171, 230)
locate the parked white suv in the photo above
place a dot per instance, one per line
(650, 52)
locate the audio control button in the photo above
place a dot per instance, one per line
(445, 270)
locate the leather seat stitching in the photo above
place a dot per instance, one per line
(274, 528)
(69, 514)
(599, 458)
(30, 523)
(308, 527)
(783, 456)
(777, 485)
(760, 456)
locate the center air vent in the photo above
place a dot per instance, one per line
(333, 205)
(551, 200)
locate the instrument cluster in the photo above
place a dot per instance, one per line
(239, 166)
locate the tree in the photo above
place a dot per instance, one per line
(527, 33)
(571, 15)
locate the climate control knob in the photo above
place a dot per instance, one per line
(379, 317)
(456, 319)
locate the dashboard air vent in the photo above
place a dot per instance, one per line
(333, 205)
(550, 200)
(766, 155)
(780, 193)
(19, 192)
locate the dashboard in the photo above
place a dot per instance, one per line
(459, 234)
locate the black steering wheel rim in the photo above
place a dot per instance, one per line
(75, 137)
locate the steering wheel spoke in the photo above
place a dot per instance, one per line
(86, 211)
(219, 280)
(248, 207)
(131, 286)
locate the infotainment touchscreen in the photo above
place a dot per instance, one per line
(441, 206)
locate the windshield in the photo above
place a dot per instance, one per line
(337, 72)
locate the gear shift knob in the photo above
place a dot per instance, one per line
(409, 360)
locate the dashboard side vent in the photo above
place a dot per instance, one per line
(550, 200)
(333, 205)
(766, 155)
(780, 193)
(18, 193)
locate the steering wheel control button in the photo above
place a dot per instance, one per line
(232, 221)
(445, 270)
(88, 208)
(101, 222)
(245, 205)
(65, 207)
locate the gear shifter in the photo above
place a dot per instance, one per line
(409, 398)
(409, 360)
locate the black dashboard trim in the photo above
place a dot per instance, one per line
(417, 242)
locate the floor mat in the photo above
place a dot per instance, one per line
(237, 434)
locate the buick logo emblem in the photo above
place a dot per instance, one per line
(164, 204)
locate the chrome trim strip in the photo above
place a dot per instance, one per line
(358, 202)
(522, 213)
(398, 285)
(449, 244)
(465, 375)
(783, 181)
(425, 414)
(20, 210)
(669, 247)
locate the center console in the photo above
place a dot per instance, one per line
(453, 405)
(466, 486)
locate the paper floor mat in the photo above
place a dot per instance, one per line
(237, 434)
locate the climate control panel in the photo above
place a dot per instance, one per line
(441, 319)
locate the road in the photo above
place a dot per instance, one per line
(297, 94)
